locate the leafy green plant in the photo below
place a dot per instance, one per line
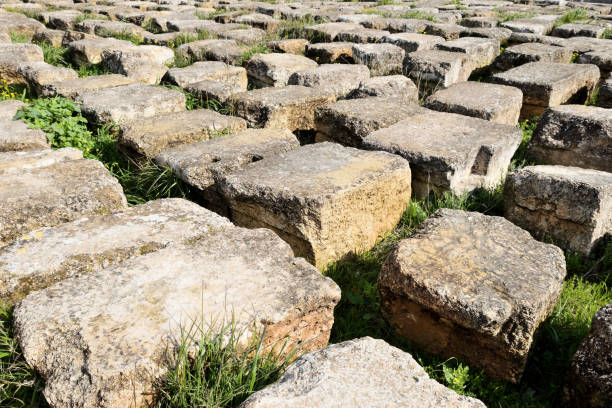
(14, 91)
(456, 377)
(592, 99)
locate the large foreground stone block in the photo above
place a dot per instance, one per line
(574, 135)
(358, 373)
(570, 205)
(473, 286)
(104, 338)
(325, 200)
(50, 195)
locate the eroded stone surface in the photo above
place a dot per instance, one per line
(275, 69)
(337, 78)
(209, 70)
(474, 286)
(73, 88)
(393, 86)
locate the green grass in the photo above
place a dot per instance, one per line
(520, 158)
(18, 38)
(572, 16)
(418, 15)
(90, 16)
(255, 49)
(607, 34)
(504, 16)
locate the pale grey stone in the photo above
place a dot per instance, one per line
(340, 79)
(18, 161)
(481, 51)
(411, 42)
(381, 59)
(276, 68)
(12, 55)
(436, 68)
(89, 51)
(37, 74)
(226, 51)
(209, 70)
(393, 86)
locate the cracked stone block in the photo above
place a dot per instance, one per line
(588, 383)
(275, 69)
(145, 63)
(481, 51)
(208, 70)
(530, 25)
(120, 103)
(290, 46)
(578, 30)
(472, 286)
(520, 54)
(38, 74)
(574, 135)
(349, 121)
(73, 88)
(570, 205)
(104, 338)
(226, 51)
(381, 59)
(435, 68)
(324, 199)
(449, 152)
(89, 51)
(54, 194)
(150, 135)
(291, 107)
(497, 103)
(392, 86)
(201, 164)
(341, 375)
(411, 42)
(339, 79)
(604, 97)
(329, 53)
(546, 84)
(12, 55)
(93, 243)
(601, 58)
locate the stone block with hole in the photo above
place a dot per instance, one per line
(497, 103)
(201, 164)
(208, 70)
(324, 199)
(337, 78)
(472, 286)
(546, 84)
(436, 68)
(381, 59)
(449, 152)
(571, 206)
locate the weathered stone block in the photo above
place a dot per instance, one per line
(11, 55)
(18, 161)
(604, 97)
(340, 79)
(275, 69)
(391, 86)
(209, 70)
(578, 30)
(38, 74)
(481, 51)
(411, 42)
(73, 88)
(438, 68)
(520, 54)
(472, 286)
(329, 53)
(381, 59)
(226, 51)
(17, 135)
(89, 51)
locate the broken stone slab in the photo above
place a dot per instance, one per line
(449, 152)
(481, 51)
(73, 88)
(578, 30)
(520, 54)
(570, 205)
(341, 375)
(17, 161)
(349, 121)
(9, 108)
(391, 86)
(89, 51)
(436, 68)
(411, 42)
(16, 135)
(120, 103)
(339, 79)
(574, 135)
(95, 242)
(147, 136)
(497, 103)
(55, 194)
(291, 107)
(587, 382)
(201, 164)
(329, 53)
(276, 68)
(37, 74)
(546, 84)
(104, 338)
(12, 55)
(324, 199)
(604, 97)
(381, 59)
(226, 51)
(208, 70)
(290, 46)
(472, 286)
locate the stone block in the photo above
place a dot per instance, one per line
(209, 70)
(391, 86)
(381, 59)
(275, 69)
(73, 88)
(340, 79)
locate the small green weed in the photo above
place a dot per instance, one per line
(607, 34)
(18, 38)
(256, 49)
(592, 99)
(520, 158)
(504, 16)
(418, 15)
(572, 16)
(14, 92)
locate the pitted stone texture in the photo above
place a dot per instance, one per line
(291, 107)
(290, 46)
(547, 84)
(411, 42)
(473, 286)
(588, 382)
(349, 121)
(18, 161)
(49, 255)
(104, 338)
(18, 23)
(202, 164)
(226, 51)
(275, 69)
(381, 59)
(579, 30)
(574, 135)
(61, 192)
(209, 70)
(324, 199)
(604, 97)
(391, 86)
(570, 205)
(73, 88)
(520, 54)
(497, 103)
(337, 78)
(145, 63)
(38, 74)
(438, 68)
(121, 103)
(447, 151)
(530, 25)
(329, 53)
(16, 135)
(480, 51)
(208, 90)
(358, 373)
(12, 55)
(89, 51)
(149, 136)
